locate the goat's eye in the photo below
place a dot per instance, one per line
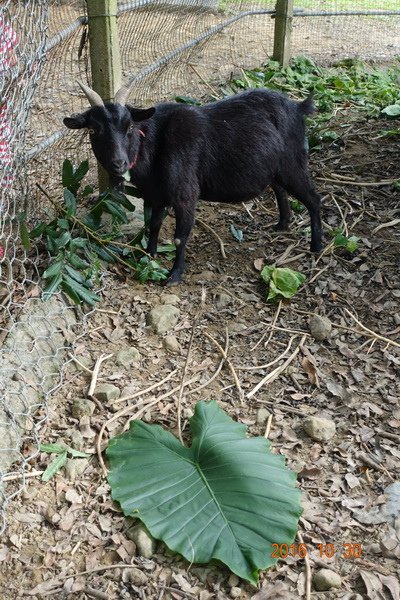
(131, 128)
(91, 131)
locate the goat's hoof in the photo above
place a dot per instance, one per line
(173, 280)
(281, 226)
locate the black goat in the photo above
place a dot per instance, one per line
(226, 151)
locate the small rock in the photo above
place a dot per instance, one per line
(188, 413)
(163, 317)
(171, 344)
(320, 327)
(222, 299)
(204, 277)
(135, 576)
(325, 579)
(172, 299)
(204, 595)
(81, 407)
(262, 415)
(106, 391)
(235, 327)
(69, 470)
(235, 592)
(233, 580)
(319, 429)
(145, 543)
(77, 441)
(127, 357)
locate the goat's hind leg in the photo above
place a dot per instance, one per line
(299, 184)
(282, 199)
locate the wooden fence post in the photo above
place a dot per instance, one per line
(283, 31)
(105, 59)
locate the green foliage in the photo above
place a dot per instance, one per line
(227, 497)
(350, 84)
(393, 110)
(341, 241)
(187, 100)
(77, 246)
(62, 453)
(296, 206)
(283, 282)
(236, 233)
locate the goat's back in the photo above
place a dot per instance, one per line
(230, 149)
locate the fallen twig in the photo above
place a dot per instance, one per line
(211, 230)
(360, 183)
(268, 427)
(276, 372)
(372, 333)
(206, 383)
(273, 362)
(95, 373)
(146, 390)
(22, 476)
(82, 366)
(278, 310)
(384, 225)
(230, 365)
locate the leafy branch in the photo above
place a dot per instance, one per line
(77, 246)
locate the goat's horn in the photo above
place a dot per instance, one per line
(91, 95)
(122, 95)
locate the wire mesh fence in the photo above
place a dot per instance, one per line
(168, 48)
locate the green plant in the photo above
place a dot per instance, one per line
(342, 241)
(78, 245)
(349, 84)
(62, 453)
(282, 282)
(296, 206)
(227, 497)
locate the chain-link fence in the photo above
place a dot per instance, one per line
(168, 47)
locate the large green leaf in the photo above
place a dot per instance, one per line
(227, 497)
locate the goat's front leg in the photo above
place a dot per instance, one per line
(184, 215)
(156, 219)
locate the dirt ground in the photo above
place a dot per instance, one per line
(66, 538)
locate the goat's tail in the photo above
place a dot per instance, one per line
(307, 106)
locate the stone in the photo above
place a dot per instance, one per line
(222, 300)
(319, 429)
(325, 580)
(69, 470)
(171, 344)
(320, 327)
(81, 407)
(135, 576)
(163, 317)
(145, 543)
(233, 580)
(106, 391)
(262, 416)
(127, 357)
(235, 592)
(172, 299)
(77, 441)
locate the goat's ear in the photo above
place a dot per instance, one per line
(141, 114)
(75, 122)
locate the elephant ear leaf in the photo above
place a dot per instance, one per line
(227, 497)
